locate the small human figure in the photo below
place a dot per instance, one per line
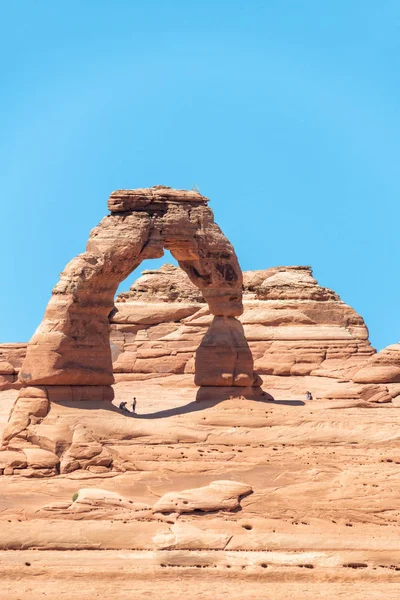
(309, 396)
(134, 405)
(122, 406)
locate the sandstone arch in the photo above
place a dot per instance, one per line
(71, 346)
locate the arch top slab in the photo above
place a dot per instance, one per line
(184, 224)
(71, 346)
(154, 198)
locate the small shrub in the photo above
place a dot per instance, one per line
(75, 496)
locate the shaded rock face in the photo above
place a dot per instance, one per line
(224, 357)
(71, 346)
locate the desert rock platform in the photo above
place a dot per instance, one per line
(282, 498)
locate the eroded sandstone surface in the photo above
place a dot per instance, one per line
(311, 508)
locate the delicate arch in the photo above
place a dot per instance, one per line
(71, 346)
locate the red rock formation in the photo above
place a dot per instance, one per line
(70, 356)
(71, 346)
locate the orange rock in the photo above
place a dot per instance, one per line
(384, 367)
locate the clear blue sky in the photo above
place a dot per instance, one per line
(284, 112)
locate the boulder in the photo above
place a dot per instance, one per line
(218, 495)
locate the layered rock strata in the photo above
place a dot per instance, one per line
(292, 326)
(297, 327)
